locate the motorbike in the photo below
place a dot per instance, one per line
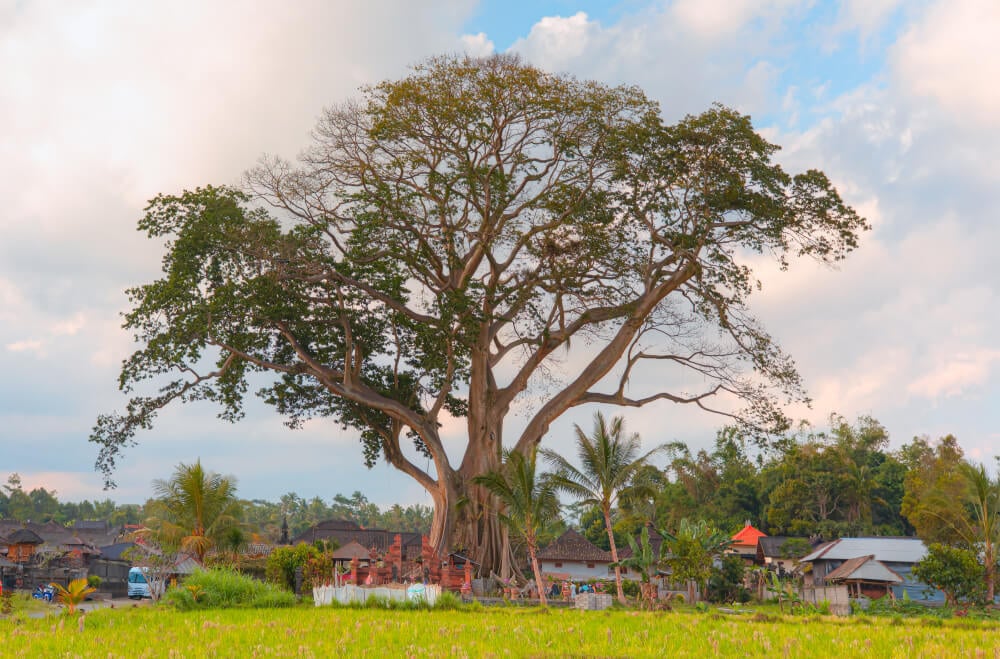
(46, 593)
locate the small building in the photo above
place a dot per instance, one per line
(343, 532)
(781, 553)
(745, 543)
(21, 545)
(572, 556)
(865, 577)
(899, 554)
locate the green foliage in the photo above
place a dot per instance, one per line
(691, 549)
(726, 581)
(517, 632)
(418, 253)
(795, 548)
(194, 511)
(528, 501)
(957, 572)
(73, 594)
(933, 485)
(221, 588)
(94, 581)
(611, 463)
(282, 563)
(643, 559)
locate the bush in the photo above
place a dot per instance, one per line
(222, 588)
(726, 582)
(283, 561)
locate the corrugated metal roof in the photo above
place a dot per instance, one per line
(886, 550)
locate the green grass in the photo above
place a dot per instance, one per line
(500, 632)
(221, 588)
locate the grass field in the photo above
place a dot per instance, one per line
(501, 632)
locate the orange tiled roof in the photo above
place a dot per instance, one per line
(748, 536)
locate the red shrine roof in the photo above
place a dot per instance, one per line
(748, 536)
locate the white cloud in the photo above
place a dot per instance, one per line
(27, 345)
(70, 326)
(477, 45)
(717, 19)
(956, 375)
(950, 56)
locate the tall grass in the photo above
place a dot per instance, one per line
(493, 631)
(223, 588)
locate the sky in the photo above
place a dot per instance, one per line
(105, 104)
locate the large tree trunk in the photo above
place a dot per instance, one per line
(465, 514)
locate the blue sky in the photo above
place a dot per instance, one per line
(104, 104)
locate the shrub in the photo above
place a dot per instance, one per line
(283, 561)
(221, 588)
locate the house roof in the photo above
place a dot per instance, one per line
(655, 540)
(864, 568)
(114, 552)
(351, 550)
(748, 536)
(571, 546)
(884, 549)
(24, 537)
(346, 531)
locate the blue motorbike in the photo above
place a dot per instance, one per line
(46, 593)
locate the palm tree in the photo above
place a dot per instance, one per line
(982, 529)
(529, 503)
(73, 594)
(194, 509)
(646, 562)
(611, 461)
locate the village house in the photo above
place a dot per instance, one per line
(873, 566)
(572, 556)
(780, 553)
(745, 543)
(342, 532)
(36, 553)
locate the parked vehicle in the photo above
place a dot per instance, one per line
(46, 593)
(138, 586)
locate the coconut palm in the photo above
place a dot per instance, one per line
(611, 461)
(528, 503)
(194, 509)
(981, 529)
(73, 594)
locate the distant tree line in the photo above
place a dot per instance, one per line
(842, 481)
(260, 519)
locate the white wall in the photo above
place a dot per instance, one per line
(577, 570)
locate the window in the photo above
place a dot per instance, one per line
(558, 564)
(590, 566)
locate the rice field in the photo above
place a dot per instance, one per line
(500, 632)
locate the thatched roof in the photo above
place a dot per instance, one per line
(24, 537)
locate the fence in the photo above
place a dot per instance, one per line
(836, 596)
(326, 595)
